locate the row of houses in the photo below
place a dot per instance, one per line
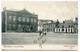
(67, 26)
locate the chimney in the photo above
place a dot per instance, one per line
(4, 8)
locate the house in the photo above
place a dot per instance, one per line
(68, 26)
(49, 27)
(41, 22)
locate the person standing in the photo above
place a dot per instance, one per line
(40, 33)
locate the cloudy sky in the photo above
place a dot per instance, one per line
(53, 10)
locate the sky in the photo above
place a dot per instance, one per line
(51, 10)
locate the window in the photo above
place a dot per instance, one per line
(27, 19)
(53, 25)
(59, 30)
(35, 20)
(19, 19)
(10, 17)
(57, 26)
(68, 29)
(49, 25)
(14, 18)
(62, 26)
(23, 19)
(19, 25)
(14, 26)
(72, 26)
(56, 30)
(68, 26)
(9, 26)
(45, 29)
(31, 19)
(51, 29)
(44, 25)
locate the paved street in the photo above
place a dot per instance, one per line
(29, 38)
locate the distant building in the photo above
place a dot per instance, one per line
(68, 26)
(76, 25)
(64, 27)
(19, 21)
(41, 22)
(49, 27)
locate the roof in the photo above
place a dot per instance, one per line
(65, 25)
(43, 20)
(24, 11)
(48, 23)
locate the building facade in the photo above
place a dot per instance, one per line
(76, 25)
(41, 22)
(68, 26)
(19, 21)
(49, 27)
(64, 28)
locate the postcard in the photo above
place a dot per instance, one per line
(39, 25)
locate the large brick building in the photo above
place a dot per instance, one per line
(19, 21)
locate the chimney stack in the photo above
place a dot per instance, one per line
(4, 8)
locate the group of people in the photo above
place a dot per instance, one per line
(44, 33)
